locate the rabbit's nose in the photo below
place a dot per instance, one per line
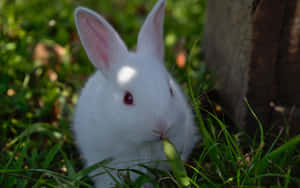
(161, 129)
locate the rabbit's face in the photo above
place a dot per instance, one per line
(146, 99)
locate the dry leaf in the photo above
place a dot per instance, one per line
(60, 51)
(10, 92)
(57, 109)
(181, 59)
(52, 75)
(41, 53)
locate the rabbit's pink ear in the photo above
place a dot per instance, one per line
(101, 42)
(150, 39)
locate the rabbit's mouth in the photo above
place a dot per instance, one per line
(161, 131)
(160, 135)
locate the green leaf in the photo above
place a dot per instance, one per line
(176, 164)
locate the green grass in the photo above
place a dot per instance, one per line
(43, 66)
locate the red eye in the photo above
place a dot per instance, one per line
(171, 92)
(128, 98)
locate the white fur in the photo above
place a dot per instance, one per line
(104, 126)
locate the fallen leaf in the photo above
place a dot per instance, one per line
(181, 59)
(52, 75)
(59, 50)
(41, 53)
(57, 109)
(10, 92)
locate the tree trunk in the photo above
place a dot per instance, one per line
(253, 46)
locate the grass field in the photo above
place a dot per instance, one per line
(43, 66)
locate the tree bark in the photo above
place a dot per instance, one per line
(253, 47)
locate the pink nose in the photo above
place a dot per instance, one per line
(161, 129)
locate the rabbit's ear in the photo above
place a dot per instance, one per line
(101, 42)
(150, 39)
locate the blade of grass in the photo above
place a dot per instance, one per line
(294, 179)
(195, 184)
(196, 103)
(258, 154)
(52, 153)
(37, 127)
(277, 153)
(231, 143)
(206, 151)
(10, 162)
(274, 142)
(291, 144)
(21, 157)
(203, 176)
(287, 178)
(258, 121)
(141, 180)
(85, 172)
(144, 178)
(48, 172)
(70, 169)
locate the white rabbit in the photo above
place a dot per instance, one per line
(131, 102)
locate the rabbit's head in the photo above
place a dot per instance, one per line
(144, 102)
